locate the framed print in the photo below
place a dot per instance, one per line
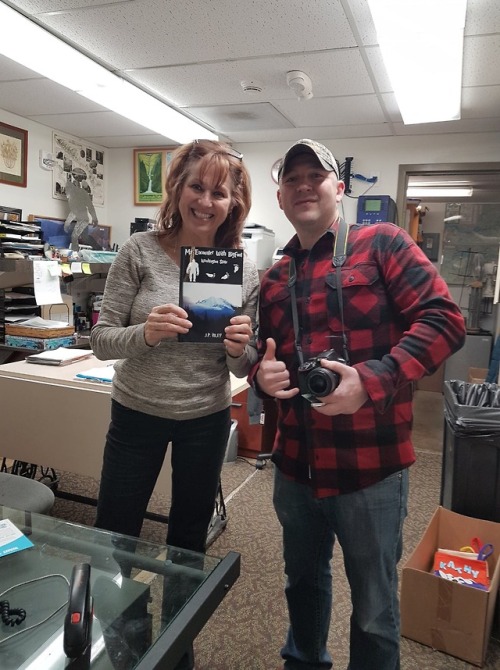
(13, 155)
(150, 168)
(77, 160)
(430, 245)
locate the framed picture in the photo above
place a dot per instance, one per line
(13, 155)
(430, 245)
(150, 168)
(76, 160)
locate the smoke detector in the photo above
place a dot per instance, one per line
(251, 86)
(300, 83)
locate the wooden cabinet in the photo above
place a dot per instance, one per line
(249, 435)
(254, 439)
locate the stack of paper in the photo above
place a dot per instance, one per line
(60, 356)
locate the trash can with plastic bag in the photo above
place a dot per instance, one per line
(470, 477)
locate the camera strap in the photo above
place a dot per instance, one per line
(338, 260)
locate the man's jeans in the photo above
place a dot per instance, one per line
(368, 525)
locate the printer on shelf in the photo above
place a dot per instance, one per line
(259, 244)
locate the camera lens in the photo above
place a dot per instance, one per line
(322, 382)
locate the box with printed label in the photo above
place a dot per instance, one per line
(448, 615)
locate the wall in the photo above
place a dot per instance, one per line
(37, 198)
(379, 156)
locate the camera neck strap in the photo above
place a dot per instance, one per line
(338, 260)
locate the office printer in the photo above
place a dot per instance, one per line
(259, 244)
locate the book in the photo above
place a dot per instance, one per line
(59, 356)
(210, 290)
(12, 539)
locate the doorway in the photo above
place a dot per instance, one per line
(461, 236)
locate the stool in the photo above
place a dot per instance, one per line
(25, 493)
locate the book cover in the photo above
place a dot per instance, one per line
(211, 290)
(11, 538)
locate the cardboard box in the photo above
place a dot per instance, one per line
(477, 375)
(445, 615)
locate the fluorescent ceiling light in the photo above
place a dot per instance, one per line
(440, 182)
(421, 192)
(44, 53)
(422, 46)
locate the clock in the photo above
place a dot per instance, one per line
(274, 170)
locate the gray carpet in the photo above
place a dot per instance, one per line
(247, 630)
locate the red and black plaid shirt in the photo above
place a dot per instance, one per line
(400, 323)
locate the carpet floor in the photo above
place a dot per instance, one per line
(248, 629)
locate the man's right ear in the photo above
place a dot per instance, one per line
(278, 195)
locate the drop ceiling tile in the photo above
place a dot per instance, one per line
(482, 17)
(338, 72)
(314, 132)
(481, 61)
(12, 71)
(377, 66)
(43, 96)
(347, 110)
(147, 33)
(45, 6)
(226, 118)
(460, 126)
(363, 21)
(479, 102)
(392, 108)
(131, 141)
(85, 125)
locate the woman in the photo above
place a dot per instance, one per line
(165, 390)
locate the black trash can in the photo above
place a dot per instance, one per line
(470, 476)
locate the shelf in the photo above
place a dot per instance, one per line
(23, 265)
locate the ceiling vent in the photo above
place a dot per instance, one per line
(251, 86)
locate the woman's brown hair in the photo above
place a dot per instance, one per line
(227, 162)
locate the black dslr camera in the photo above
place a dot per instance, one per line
(316, 381)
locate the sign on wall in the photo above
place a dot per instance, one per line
(78, 162)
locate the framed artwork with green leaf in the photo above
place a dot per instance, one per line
(150, 166)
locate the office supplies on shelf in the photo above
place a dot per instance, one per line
(39, 343)
(59, 356)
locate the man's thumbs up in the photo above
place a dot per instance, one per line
(270, 354)
(272, 377)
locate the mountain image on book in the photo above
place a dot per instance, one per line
(210, 290)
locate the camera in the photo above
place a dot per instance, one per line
(316, 381)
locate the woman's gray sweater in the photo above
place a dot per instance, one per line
(175, 380)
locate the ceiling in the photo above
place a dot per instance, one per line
(194, 54)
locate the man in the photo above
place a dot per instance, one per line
(342, 458)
